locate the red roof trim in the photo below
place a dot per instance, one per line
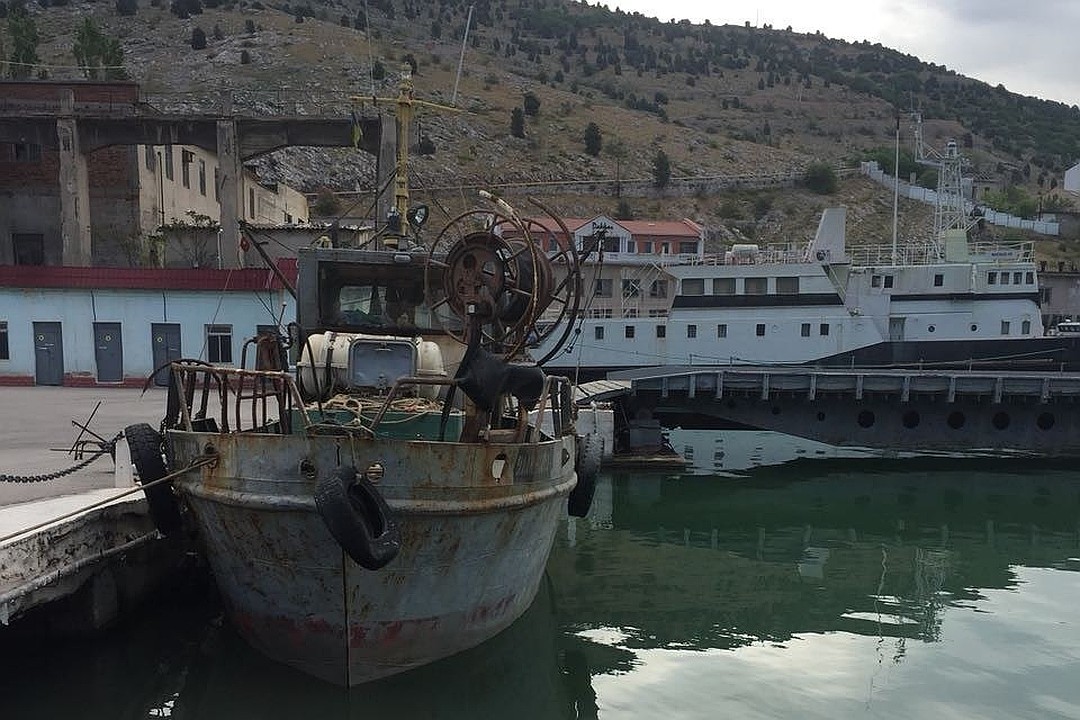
(247, 279)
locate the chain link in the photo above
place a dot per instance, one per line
(53, 475)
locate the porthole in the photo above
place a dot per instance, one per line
(866, 418)
(956, 420)
(931, 328)
(974, 327)
(1045, 421)
(1001, 420)
(911, 419)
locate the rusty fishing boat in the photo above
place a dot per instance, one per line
(381, 488)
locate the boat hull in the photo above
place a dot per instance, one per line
(477, 524)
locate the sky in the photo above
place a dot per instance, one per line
(1029, 46)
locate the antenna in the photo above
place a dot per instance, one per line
(367, 34)
(461, 58)
(896, 187)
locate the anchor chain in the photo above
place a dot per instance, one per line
(53, 475)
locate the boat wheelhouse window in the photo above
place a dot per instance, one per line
(631, 288)
(1029, 278)
(360, 297)
(756, 286)
(1004, 278)
(655, 313)
(219, 343)
(630, 312)
(787, 286)
(603, 288)
(693, 286)
(658, 289)
(598, 332)
(1025, 327)
(875, 281)
(760, 330)
(721, 330)
(691, 331)
(688, 248)
(888, 281)
(1004, 327)
(723, 286)
(600, 313)
(1017, 278)
(805, 329)
(5, 351)
(661, 331)
(939, 280)
(824, 329)
(629, 331)
(991, 277)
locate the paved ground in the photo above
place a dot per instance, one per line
(36, 419)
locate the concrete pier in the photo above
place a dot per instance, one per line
(104, 552)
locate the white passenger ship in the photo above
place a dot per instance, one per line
(944, 303)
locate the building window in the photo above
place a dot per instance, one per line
(991, 277)
(602, 288)
(691, 331)
(148, 150)
(721, 330)
(629, 331)
(611, 244)
(598, 332)
(5, 353)
(693, 286)
(631, 288)
(251, 203)
(756, 286)
(688, 248)
(646, 247)
(1004, 327)
(1025, 327)
(601, 313)
(664, 248)
(202, 177)
(787, 286)
(25, 152)
(168, 162)
(219, 343)
(824, 329)
(1029, 278)
(760, 330)
(805, 330)
(723, 286)
(658, 289)
(661, 331)
(939, 280)
(28, 248)
(186, 158)
(888, 281)
(217, 185)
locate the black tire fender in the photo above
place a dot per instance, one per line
(144, 442)
(587, 466)
(358, 517)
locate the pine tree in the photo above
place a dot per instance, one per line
(594, 141)
(517, 123)
(661, 169)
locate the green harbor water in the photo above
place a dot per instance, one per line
(827, 586)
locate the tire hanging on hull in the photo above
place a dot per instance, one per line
(358, 518)
(144, 442)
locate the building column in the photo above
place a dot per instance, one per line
(74, 188)
(231, 179)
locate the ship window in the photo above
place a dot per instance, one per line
(631, 288)
(688, 248)
(805, 330)
(875, 281)
(1029, 278)
(721, 330)
(888, 281)
(1004, 327)
(1025, 327)
(5, 352)
(598, 332)
(630, 313)
(693, 286)
(655, 313)
(931, 328)
(1004, 278)
(691, 331)
(824, 329)
(602, 288)
(1017, 278)
(974, 327)
(756, 286)
(760, 330)
(658, 289)
(991, 277)
(629, 331)
(219, 343)
(787, 286)
(939, 280)
(723, 286)
(661, 331)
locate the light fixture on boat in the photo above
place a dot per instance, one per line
(374, 472)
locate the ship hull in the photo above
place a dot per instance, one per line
(477, 524)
